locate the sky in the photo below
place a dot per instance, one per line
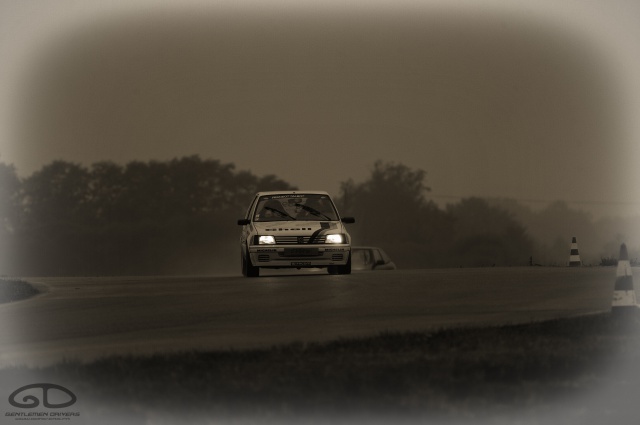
(530, 100)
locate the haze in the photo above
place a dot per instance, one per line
(498, 102)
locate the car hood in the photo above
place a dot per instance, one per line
(297, 227)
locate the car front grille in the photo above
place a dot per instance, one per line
(337, 257)
(297, 240)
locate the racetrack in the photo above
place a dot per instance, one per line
(86, 318)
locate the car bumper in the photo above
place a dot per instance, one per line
(294, 256)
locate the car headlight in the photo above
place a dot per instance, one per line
(266, 240)
(335, 238)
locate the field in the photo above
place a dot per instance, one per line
(579, 370)
(582, 370)
(15, 290)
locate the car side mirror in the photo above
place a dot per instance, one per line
(348, 220)
(243, 222)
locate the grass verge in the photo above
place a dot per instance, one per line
(15, 290)
(564, 371)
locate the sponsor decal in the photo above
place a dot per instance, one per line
(300, 263)
(275, 229)
(42, 401)
(284, 196)
(267, 250)
(289, 252)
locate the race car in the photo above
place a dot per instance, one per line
(294, 229)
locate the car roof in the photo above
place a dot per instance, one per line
(292, 192)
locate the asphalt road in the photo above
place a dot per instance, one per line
(86, 318)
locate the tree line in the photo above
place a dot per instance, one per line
(139, 218)
(178, 217)
(392, 210)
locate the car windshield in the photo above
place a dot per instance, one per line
(295, 207)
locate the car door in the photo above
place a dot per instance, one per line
(246, 229)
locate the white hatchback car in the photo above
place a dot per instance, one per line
(294, 229)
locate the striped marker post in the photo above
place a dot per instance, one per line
(624, 295)
(574, 256)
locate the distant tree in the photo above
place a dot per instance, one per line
(56, 214)
(106, 186)
(10, 188)
(392, 211)
(244, 185)
(10, 199)
(487, 236)
(58, 193)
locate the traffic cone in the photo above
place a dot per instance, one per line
(624, 296)
(574, 256)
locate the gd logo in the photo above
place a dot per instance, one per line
(31, 401)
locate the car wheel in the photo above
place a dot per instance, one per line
(247, 269)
